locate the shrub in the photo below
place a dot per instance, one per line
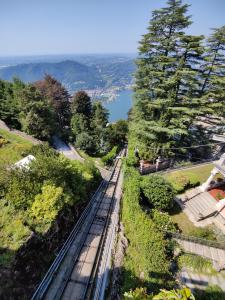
(47, 204)
(163, 220)
(144, 238)
(108, 158)
(193, 180)
(178, 294)
(219, 196)
(158, 192)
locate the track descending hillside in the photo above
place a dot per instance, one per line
(78, 268)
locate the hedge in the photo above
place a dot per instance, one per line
(146, 258)
(108, 158)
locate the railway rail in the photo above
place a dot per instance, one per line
(74, 273)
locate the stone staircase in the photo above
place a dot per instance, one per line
(197, 204)
(200, 204)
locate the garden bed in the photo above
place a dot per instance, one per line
(218, 193)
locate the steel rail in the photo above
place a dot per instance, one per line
(92, 280)
(98, 292)
(45, 283)
(81, 245)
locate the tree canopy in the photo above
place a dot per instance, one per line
(178, 79)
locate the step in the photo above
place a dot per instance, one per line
(214, 254)
(221, 254)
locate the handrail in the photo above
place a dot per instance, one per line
(196, 240)
(40, 291)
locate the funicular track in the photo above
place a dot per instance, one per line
(73, 273)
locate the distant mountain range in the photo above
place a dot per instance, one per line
(92, 73)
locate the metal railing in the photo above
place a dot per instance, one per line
(196, 240)
(52, 271)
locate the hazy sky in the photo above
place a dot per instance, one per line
(29, 27)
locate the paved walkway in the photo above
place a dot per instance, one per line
(195, 280)
(65, 149)
(71, 153)
(214, 254)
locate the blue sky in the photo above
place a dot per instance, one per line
(30, 27)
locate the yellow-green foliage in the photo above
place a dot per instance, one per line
(108, 158)
(13, 150)
(36, 196)
(146, 254)
(47, 205)
(13, 232)
(196, 264)
(178, 294)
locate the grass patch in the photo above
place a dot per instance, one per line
(183, 223)
(13, 150)
(95, 159)
(182, 180)
(196, 264)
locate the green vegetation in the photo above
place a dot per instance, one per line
(88, 72)
(181, 181)
(182, 222)
(31, 108)
(178, 294)
(158, 192)
(89, 127)
(178, 80)
(185, 179)
(108, 158)
(32, 199)
(13, 149)
(196, 263)
(212, 292)
(43, 109)
(152, 266)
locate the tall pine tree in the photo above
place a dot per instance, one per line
(213, 73)
(166, 82)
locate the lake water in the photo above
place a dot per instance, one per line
(119, 108)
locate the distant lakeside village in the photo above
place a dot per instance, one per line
(108, 95)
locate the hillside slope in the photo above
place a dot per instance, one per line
(72, 74)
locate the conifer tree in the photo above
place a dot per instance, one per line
(167, 82)
(98, 123)
(213, 83)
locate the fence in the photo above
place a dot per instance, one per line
(196, 240)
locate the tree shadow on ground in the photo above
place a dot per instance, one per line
(157, 280)
(212, 293)
(31, 261)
